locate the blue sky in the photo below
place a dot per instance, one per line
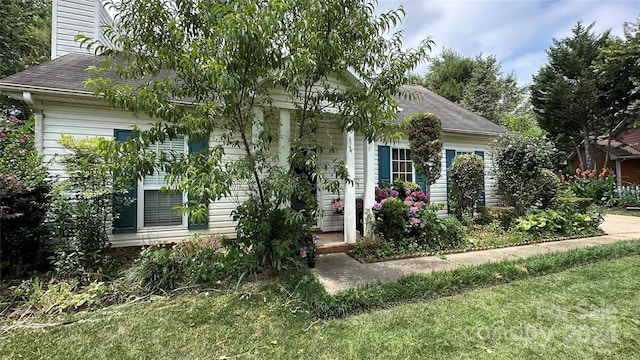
(517, 32)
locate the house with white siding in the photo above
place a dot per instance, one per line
(62, 105)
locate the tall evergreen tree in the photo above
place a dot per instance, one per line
(476, 83)
(564, 92)
(618, 70)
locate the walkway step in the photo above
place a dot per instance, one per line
(332, 248)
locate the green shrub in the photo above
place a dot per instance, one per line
(467, 176)
(267, 237)
(391, 220)
(563, 221)
(548, 185)
(505, 215)
(578, 204)
(200, 259)
(157, 270)
(82, 209)
(518, 162)
(372, 247)
(452, 234)
(599, 187)
(24, 200)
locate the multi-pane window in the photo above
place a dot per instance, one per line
(158, 205)
(401, 164)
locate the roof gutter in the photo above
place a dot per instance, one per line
(38, 114)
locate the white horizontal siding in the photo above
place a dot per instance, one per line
(464, 143)
(83, 121)
(73, 17)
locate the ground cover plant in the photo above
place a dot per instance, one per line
(406, 225)
(584, 312)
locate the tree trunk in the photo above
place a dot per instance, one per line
(588, 159)
(580, 157)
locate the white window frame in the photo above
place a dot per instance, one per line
(409, 159)
(140, 206)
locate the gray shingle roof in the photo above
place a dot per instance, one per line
(454, 117)
(65, 73)
(68, 73)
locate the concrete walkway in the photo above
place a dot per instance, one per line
(339, 271)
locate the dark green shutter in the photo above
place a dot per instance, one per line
(194, 148)
(481, 195)
(450, 154)
(384, 165)
(127, 222)
(421, 179)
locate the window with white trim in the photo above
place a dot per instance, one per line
(157, 206)
(401, 164)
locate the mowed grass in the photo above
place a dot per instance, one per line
(586, 312)
(621, 211)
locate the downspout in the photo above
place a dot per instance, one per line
(39, 121)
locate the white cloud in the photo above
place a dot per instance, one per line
(516, 32)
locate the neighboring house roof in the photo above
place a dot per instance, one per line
(626, 144)
(454, 117)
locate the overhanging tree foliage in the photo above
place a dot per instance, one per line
(25, 40)
(425, 140)
(564, 92)
(223, 59)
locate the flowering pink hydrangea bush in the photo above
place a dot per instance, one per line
(406, 222)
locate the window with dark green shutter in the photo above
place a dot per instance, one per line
(159, 205)
(125, 204)
(194, 148)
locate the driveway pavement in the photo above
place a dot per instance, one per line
(339, 271)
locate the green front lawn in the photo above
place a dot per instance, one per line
(622, 211)
(585, 312)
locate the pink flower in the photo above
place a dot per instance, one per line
(383, 201)
(13, 119)
(408, 202)
(415, 221)
(394, 193)
(3, 134)
(413, 210)
(25, 137)
(417, 204)
(377, 206)
(407, 192)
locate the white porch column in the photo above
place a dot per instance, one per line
(369, 184)
(284, 145)
(350, 232)
(618, 172)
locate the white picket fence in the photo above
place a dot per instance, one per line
(628, 194)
